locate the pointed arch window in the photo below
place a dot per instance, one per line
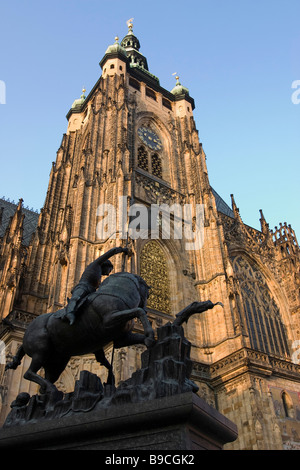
(150, 162)
(154, 269)
(143, 159)
(156, 165)
(263, 320)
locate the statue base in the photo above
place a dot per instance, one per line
(178, 422)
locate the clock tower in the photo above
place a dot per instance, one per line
(131, 156)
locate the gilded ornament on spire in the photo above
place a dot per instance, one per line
(130, 24)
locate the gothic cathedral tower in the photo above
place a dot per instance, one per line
(131, 143)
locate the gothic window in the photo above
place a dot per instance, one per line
(149, 162)
(154, 269)
(143, 159)
(156, 165)
(263, 320)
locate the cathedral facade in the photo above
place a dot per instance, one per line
(130, 143)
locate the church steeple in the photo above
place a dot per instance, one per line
(132, 46)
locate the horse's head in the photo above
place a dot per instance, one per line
(144, 291)
(107, 267)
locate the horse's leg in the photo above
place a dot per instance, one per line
(129, 339)
(31, 374)
(116, 319)
(100, 357)
(54, 369)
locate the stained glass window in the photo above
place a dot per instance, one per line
(154, 269)
(156, 165)
(143, 159)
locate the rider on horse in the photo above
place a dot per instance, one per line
(90, 281)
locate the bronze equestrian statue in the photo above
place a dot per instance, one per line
(98, 317)
(106, 316)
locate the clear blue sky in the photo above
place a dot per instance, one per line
(237, 57)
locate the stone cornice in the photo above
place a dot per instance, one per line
(17, 319)
(245, 361)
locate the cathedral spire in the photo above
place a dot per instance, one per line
(264, 225)
(132, 46)
(235, 209)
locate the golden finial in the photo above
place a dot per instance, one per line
(117, 38)
(129, 24)
(83, 90)
(176, 77)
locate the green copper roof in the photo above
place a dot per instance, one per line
(80, 101)
(116, 48)
(179, 89)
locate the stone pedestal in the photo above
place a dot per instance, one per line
(175, 423)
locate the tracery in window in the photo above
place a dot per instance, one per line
(156, 165)
(154, 269)
(263, 320)
(143, 159)
(149, 162)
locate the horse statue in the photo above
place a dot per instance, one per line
(106, 316)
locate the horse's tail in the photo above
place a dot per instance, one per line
(16, 360)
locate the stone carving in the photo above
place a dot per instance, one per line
(150, 189)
